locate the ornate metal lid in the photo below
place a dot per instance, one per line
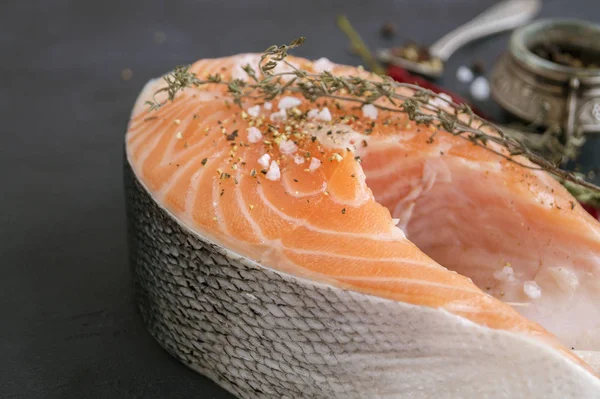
(539, 89)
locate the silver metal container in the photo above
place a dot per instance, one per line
(538, 90)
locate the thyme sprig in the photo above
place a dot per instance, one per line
(456, 119)
(583, 195)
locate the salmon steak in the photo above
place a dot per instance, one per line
(300, 247)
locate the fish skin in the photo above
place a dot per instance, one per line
(261, 333)
(166, 157)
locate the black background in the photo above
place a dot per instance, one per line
(68, 327)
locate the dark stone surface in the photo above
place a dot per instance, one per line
(69, 328)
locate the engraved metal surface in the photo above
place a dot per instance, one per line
(523, 95)
(538, 90)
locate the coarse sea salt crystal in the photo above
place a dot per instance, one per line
(289, 102)
(314, 164)
(274, 173)
(299, 159)
(313, 113)
(325, 115)
(369, 111)
(268, 105)
(254, 111)
(505, 274)
(480, 88)
(532, 289)
(278, 116)
(322, 65)
(264, 160)
(322, 115)
(254, 135)
(287, 147)
(464, 74)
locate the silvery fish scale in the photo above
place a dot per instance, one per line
(260, 333)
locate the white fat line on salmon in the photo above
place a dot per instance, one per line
(274, 256)
(199, 97)
(134, 133)
(176, 137)
(403, 211)
(301, 194)
(190, 199)
(460, 306)
(138, 138)
(397, 165)
(403, 261)
(204, 138)
(393, 236)
(148, 146)
(394, 167)
(409, 281)
(362, 193)
(421, 227)
(173, 180)
(359, 200)
(400, 185)
(426, 183)
(244, 206)
(431, 169)
(190, 195)
(507, 311)
(483, 166)
(435, 170)
(216, 199)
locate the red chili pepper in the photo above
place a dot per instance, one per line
(592, 211)
(403, 76)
